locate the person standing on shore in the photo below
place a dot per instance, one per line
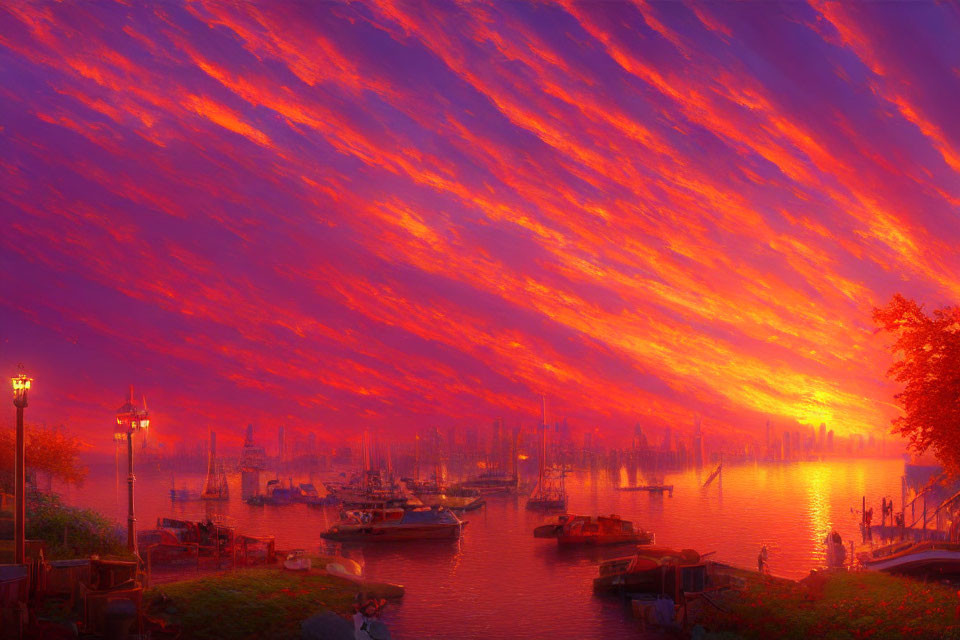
(762, 560)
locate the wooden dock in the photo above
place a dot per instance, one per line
(651, 488)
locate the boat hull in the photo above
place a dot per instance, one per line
(603, 539)
(940, 560)
(548, 531)
(395, 533)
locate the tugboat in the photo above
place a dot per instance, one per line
(603, 530)
(421, 524)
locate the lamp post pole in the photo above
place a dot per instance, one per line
(21, 384)
(131, 521)
(129, 420)
(21, 506)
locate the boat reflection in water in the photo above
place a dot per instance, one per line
(417, 524)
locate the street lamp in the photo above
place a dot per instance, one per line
(129, 420)
(21, 385)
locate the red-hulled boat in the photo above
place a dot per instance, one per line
(585, 530)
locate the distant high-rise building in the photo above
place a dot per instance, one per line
(588, 440)
(787, 453)
(252, 462)
(471, 440)
(830, 440)
(312, 443)
(822, 444)
(767, 451)
(639, 439)
(697, 443)
(667, 440)
(281, 444)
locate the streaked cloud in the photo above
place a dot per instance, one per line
(395, 215)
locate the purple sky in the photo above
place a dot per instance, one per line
(395, 215)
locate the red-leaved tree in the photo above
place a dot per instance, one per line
(48, 451)
(927, 349)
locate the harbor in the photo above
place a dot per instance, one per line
(551, 586)
(380, 320)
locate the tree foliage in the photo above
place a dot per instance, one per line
(70, 532)
(48, 451)
(927, 349)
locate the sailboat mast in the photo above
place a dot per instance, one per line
(211, 456)
(438, 471)
(543, 442)
(416, 457)
(513, 455)
(365, 459)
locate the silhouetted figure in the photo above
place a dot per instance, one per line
(762, 560)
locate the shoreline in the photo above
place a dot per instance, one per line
(832, 604)
(254, 602)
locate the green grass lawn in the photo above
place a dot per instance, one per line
(839, 606)
(255, 603)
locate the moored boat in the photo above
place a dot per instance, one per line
(586, 530)
(642, 572)
(492, 482)
(928, 558)
(420, 524)
(457, 499)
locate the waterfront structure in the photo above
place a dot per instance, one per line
(131, 419)
(253, 460)
(768, 452)
(698, 444)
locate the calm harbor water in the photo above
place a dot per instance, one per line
(500, 582)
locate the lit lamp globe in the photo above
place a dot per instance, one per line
(21, 385)
(131, 419)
